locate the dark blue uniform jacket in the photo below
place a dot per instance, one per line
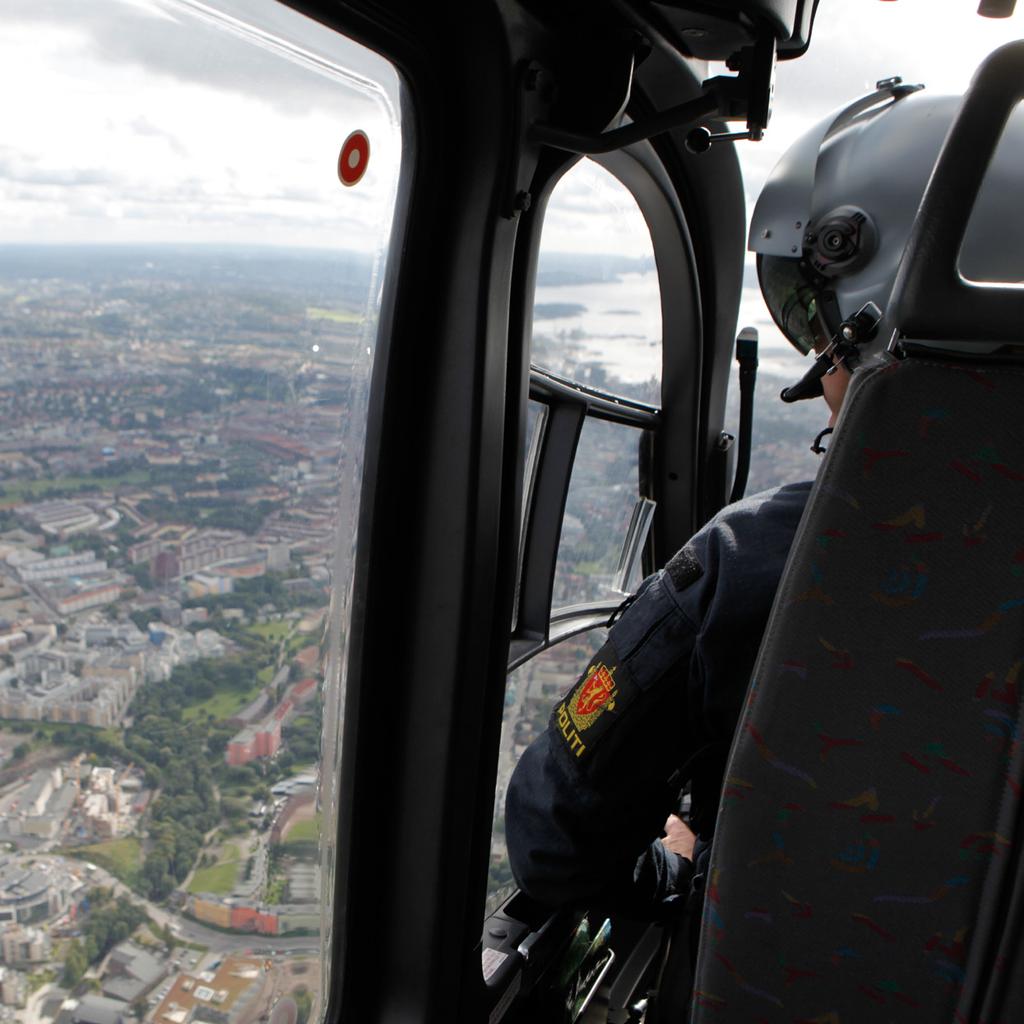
(656, 707)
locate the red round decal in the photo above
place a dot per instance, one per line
(354, 156)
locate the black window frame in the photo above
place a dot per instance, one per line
(433, 595)
(568, 405)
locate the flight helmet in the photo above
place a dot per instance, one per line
(831, 223)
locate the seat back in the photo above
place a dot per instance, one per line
(867, 861)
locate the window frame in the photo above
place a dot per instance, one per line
(434, 591)
(568, 405)
(673, 437)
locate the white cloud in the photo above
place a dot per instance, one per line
(231, 140)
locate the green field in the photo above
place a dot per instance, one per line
(219, 879)
(222, 705)
(14, 492)
(304, 831)
(121, 857)
(271, 630)
(275, 891)
(296, 643)
(266, 674)
(338, 316)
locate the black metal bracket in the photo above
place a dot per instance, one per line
(675, 117)
(747, 95)
(534, 97)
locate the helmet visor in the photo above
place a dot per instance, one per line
(792, 302)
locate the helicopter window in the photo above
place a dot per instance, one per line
(536, 421)
(595, 382)
(782, 434)
(991, 247)
(603, 493)
(531, 692)
(188, 318)
(597, 308)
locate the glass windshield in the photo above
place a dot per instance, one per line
(597, 307)
(188, 315)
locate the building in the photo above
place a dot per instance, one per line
(39, 807)
(98, 698)
(83, 564)
(278, 557)
(254, 919)
(103, 805)
(251, 712)
(131, 972)
(24, 945)
(191, 616)
(245, 568)
(78, 597)
(94, 1009)
(308, 658)
(298, 918)
(164, 566)
(39, 790)
(31, 894)
(263, 740)
(304, 690)
(61, 518)
(13, 987)
(12, 638)
(204, 584)
(222, 995)
(211, 912)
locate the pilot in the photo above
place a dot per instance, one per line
(589, 808)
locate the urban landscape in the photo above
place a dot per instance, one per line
(171, 425)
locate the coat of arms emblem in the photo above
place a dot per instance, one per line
(594, 695)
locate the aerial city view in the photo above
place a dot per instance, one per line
(171, 430)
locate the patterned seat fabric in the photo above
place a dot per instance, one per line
(867, 855)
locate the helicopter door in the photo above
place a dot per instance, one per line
(597, 358)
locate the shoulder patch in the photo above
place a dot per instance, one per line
(683, 568)
(595, 703)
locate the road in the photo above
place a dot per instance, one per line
(30, 1013)
(191, 931)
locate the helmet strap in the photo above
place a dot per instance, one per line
(817, 447)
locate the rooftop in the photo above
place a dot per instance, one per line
(221, 989)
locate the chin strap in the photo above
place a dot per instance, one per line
(817, 446)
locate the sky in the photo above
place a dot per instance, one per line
(138, 120)
(142, 121)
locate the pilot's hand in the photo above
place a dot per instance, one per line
(678, 838)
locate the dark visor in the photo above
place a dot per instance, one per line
(791, 301)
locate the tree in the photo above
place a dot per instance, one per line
(20, 751)
(75, 965)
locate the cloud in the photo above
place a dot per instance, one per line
(16, 167)
(176, 39)
(102, 146)
(142, 126)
